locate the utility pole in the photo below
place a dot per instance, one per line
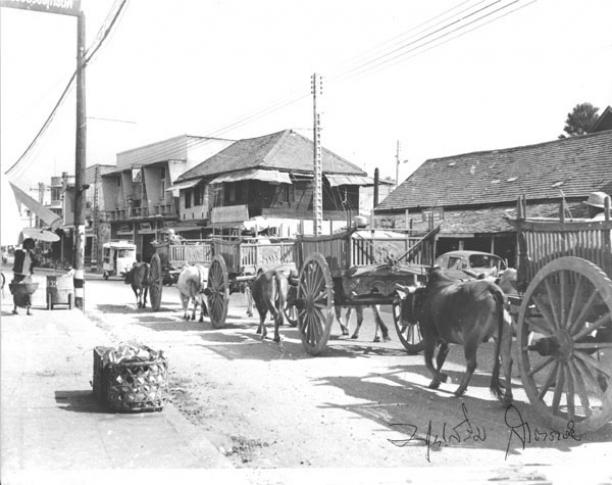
(397, 163)
(317, 88)
(96, 223)
(79, 168)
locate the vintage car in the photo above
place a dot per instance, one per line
(471, 263)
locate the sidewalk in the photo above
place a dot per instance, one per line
(51, 424)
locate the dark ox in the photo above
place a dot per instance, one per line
(465, 313)
(139, 278)
(272, 291)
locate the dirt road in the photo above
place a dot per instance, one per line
(360, 404)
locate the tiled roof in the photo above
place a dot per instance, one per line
(576, 166)
(285, 151)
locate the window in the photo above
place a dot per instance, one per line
(187, 199)
(198, 193)
(162, 182)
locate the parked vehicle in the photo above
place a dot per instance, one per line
(117, 258)
(472, 263)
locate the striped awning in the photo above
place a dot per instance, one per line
(271, 176)
(338, 179)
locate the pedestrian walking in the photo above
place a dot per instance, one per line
(23, 269)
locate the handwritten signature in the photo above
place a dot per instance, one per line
(519, 431)
(461, 432)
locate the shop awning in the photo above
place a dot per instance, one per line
(271, 176)
(47, 216)
(183, 185)
(336, 180)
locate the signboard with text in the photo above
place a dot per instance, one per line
(64, 7)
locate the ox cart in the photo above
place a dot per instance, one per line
(358, 267)
(236, 263)
(168, 260)
(564, 322)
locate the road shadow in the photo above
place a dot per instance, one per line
(415, 416)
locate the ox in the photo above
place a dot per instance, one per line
(466, 313)
(139, 277)
(191, 284)
(272, 291)
(380, 325)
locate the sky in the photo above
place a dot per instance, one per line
(199, 66)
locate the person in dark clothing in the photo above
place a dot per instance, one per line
(23, 268)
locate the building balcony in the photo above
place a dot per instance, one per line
(168, 210)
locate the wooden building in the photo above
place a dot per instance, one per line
(471, 194)
(268, 181)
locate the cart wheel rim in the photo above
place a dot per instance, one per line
(156, 286)
(409, 334)
(565, 339)
(218, 284)
(316, 309)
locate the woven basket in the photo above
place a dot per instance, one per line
(131, 386)
(22, 293)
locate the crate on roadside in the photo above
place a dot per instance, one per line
(129, 378)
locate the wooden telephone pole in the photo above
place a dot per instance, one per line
(317, 205)
(72, 8)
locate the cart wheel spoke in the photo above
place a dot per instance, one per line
(575, 300)
(571, 411)
(582, 394)
(586, 308)
(591, 327)
(592, 363)
(558, 389)
(548, 319)
(541, 365)
(548, 382)
(554, 304)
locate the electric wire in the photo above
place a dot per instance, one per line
(88, 57)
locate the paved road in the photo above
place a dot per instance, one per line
(360, 404)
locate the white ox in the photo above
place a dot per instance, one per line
(192, 287)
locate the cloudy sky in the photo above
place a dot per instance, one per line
(441, 77)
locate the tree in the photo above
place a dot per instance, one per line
(580, 120)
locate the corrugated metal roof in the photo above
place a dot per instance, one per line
(338, 179)
(576, 166)
(272, 176)
(286, 151)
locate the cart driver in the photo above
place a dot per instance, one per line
(596, 203)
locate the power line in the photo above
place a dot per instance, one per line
(402, 48)
(417, 50)
(102, 35)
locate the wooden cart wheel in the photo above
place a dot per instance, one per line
(408, 333)
(565, 338)
(291, 314)
(218, 284)
(316, 303)
(157, 277)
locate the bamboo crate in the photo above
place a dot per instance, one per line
(130, 386)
